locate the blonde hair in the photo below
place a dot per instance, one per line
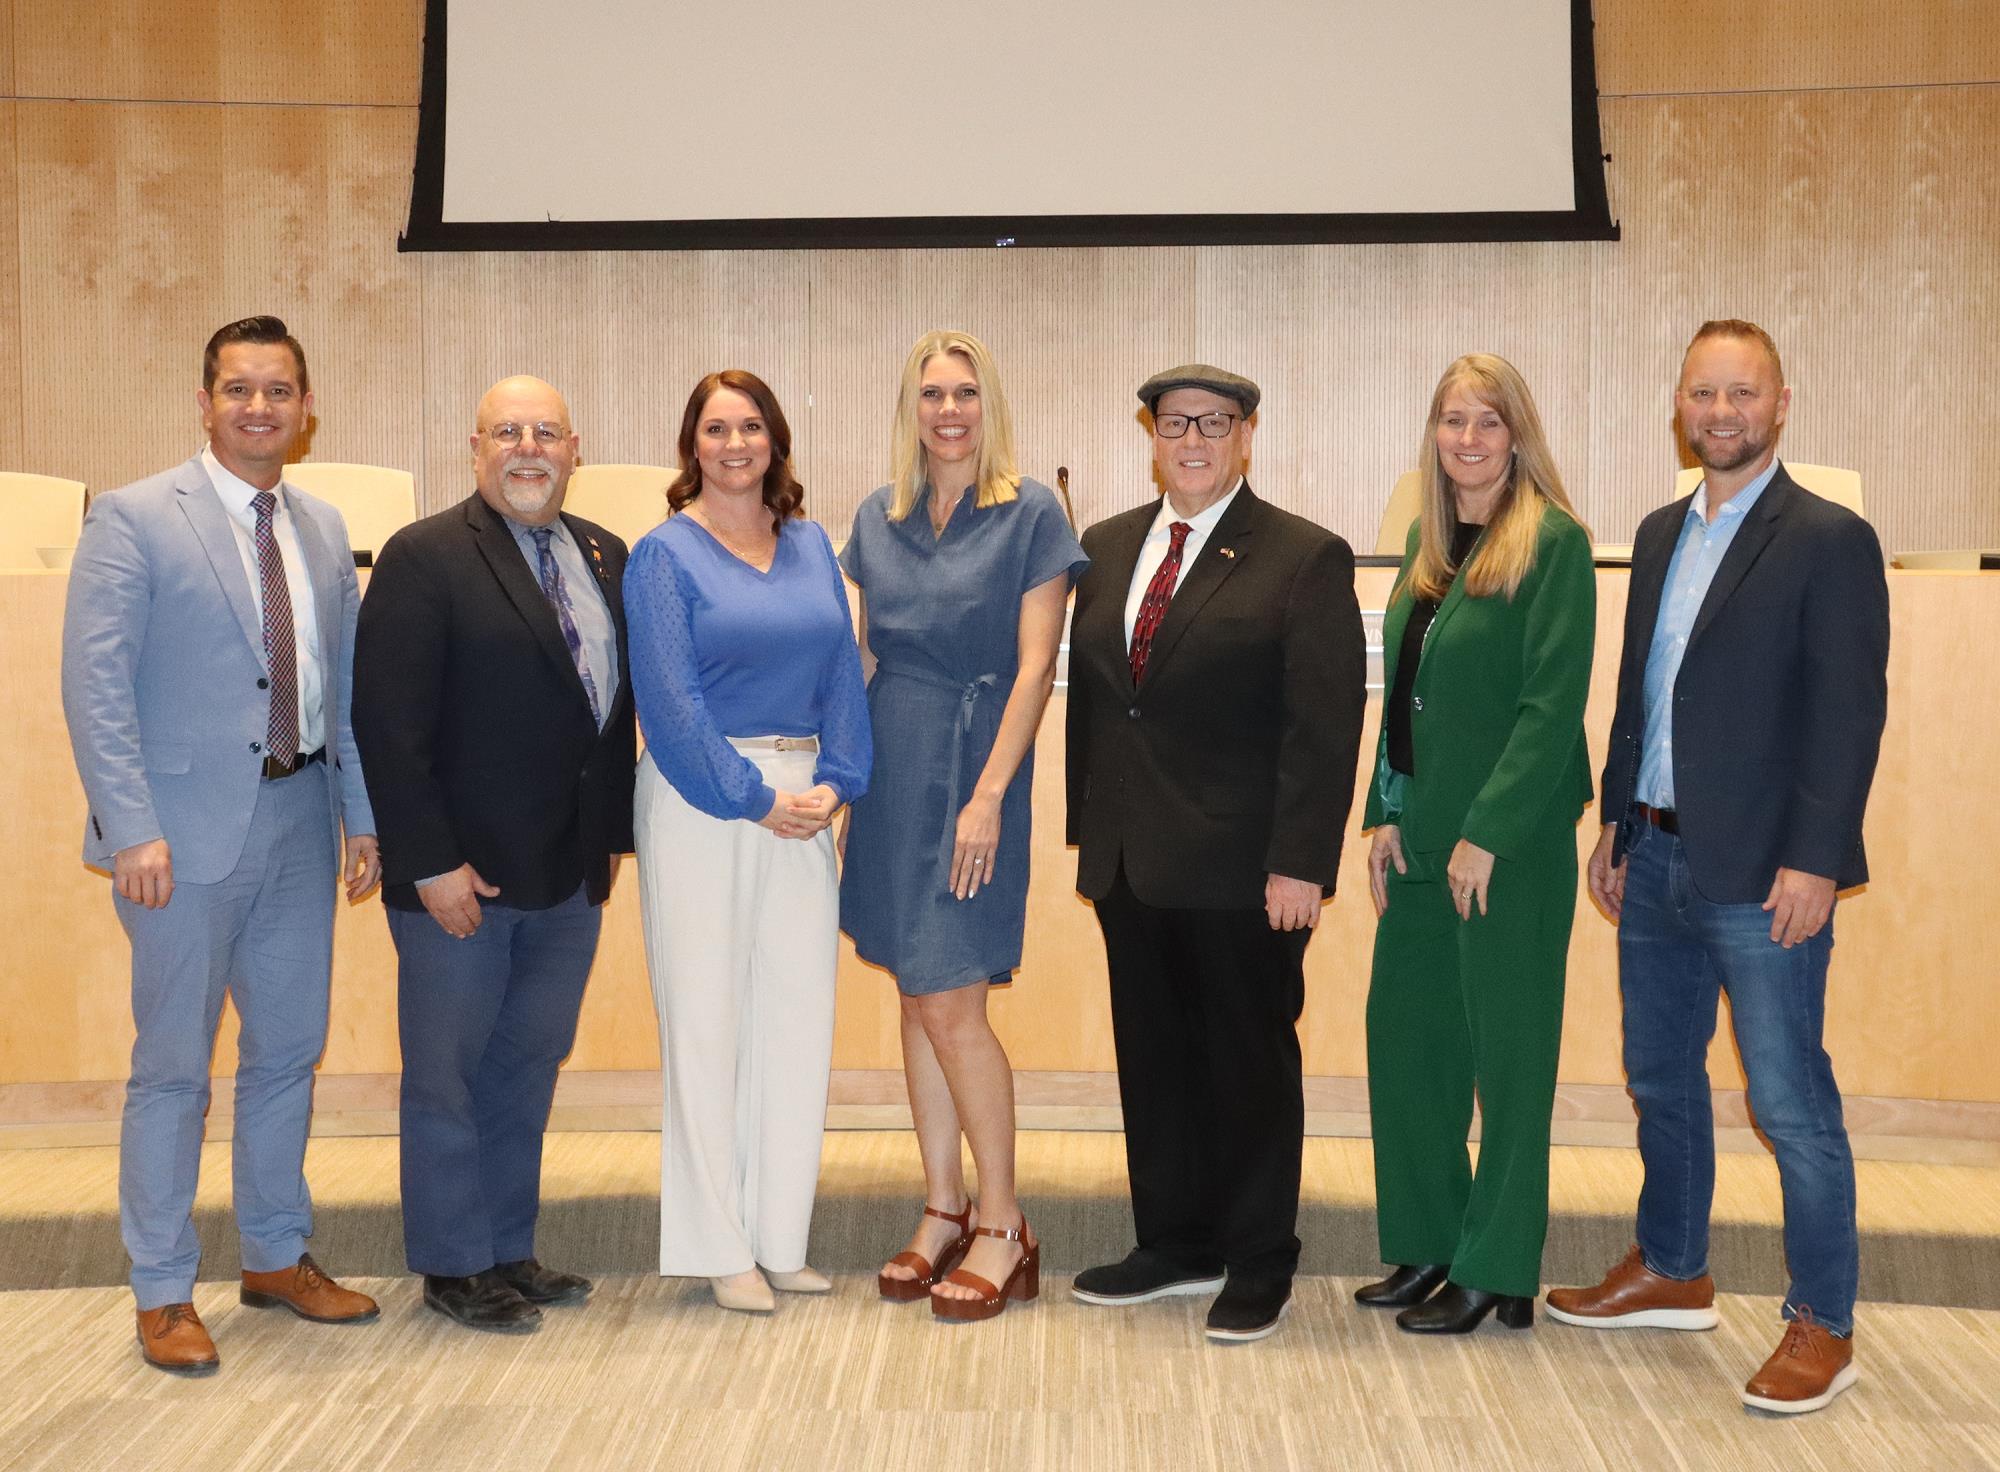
(994, 473)
(1507, 553)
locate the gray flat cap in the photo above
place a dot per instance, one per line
(1201, 375)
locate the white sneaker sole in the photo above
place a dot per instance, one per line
(1185, 1288)
(1646, 1318)
(1798, 1407)
(1245, 1336)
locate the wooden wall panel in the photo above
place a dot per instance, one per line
(1860, 228)
(10, 287)
(6, 48)
(338, 51)
(1074, 333)
(624, 336)
(143, 228)
(1722, 46)
(1347, 344)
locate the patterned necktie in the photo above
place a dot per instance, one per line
(280, 650)
(1159, 593)
(557, 592)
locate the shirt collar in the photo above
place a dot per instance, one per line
(525, 534)
(1738, 504)
(236, 492)
(1201, 523)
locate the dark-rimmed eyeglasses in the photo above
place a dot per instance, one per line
(1175, 426)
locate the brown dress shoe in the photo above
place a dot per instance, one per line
(1807, 1369)
(172, 1339)
(1633, 1296)
(307, 1292)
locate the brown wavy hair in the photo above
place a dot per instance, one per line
(784, 496)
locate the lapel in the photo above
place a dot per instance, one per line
(1651, 561)
(203, 509)
(503, 556)
(1224, 551)
(322, 573)
(1124, 536)
(1760, 525)
(1454, 599)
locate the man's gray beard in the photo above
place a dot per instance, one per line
(519, 497)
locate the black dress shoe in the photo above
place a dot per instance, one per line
(1404, 1288)
(1459, 1310)
(1248, 1308)
(538, 1284)
(1143, 1276)
(481, 1301)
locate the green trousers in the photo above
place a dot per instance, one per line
(1458, 1007)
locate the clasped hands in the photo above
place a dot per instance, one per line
(801, 814)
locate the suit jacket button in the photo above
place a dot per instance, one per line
(1416, 702)
(1133, 712)
(263, 684)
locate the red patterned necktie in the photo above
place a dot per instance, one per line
(1159, 593)
(282, 730)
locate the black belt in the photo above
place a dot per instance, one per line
(276, 767)
(1664, 819)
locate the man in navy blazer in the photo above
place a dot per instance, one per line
(208, 647)
(1751, 700)
(490, 698)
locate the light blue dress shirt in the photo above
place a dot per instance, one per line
(587, 606)
(1697, 555)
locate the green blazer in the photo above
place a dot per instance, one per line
(1497, 734)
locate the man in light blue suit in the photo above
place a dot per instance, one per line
(207, 664)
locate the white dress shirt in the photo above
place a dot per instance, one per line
(1153, 551)
(236, 495)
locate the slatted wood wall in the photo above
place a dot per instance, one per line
(1828, 167)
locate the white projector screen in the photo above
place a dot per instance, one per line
(666, 123)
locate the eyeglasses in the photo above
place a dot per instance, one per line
(510, 434)
(1175, 426)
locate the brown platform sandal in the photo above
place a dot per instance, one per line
(1024, 1283)
(909, 1290)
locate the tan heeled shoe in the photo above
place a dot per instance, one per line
(745, 1293)
(807, 1279)
(909, 1290)
(1023, 1284)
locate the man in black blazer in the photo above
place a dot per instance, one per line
(491, 705)
(1214, 719)
(1751, 700)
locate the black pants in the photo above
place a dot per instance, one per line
(1204, 1011)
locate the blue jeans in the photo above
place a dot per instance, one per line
(485, 1023)
(1676, 952)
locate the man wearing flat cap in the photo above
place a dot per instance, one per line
(1215, 696)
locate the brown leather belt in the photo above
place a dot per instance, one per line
(276, 768)
(1664, 819)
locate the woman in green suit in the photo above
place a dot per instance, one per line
(1479, 780)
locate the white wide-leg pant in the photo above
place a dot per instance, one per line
(741, 930)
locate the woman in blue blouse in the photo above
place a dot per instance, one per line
(965, 570)
(748, 684)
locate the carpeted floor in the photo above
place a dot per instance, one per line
(650, 1374)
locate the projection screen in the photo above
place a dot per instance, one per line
(667, 124)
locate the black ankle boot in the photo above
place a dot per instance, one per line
(1404, 1288)
(1459, 1310)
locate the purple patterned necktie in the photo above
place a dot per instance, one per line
(557, 592)
(280, 650)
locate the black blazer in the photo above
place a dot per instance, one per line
(477, 738)
(1780, 700)
(1235, 756)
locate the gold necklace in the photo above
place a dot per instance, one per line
(937, 526)
(761, 559)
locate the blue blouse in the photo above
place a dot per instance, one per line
(719, 649)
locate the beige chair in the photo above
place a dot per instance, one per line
(1405, 503)
(1842, 487)
(40, 516)
(626, 500)
(375, 501)
(1954, 559)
